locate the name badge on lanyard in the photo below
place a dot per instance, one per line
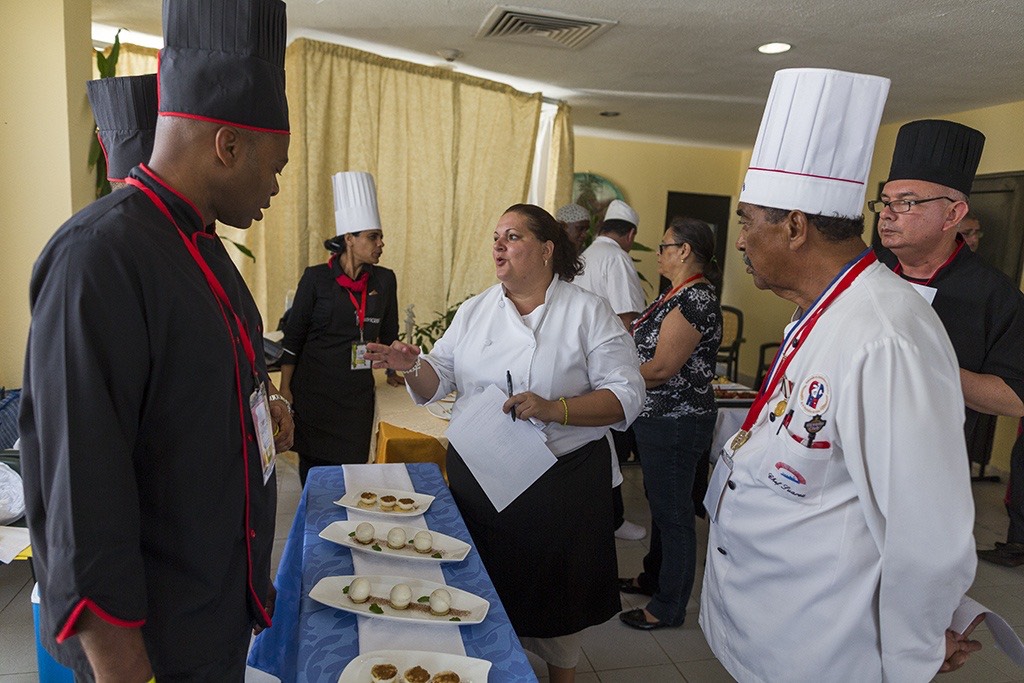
(260, 408)
(359, 361)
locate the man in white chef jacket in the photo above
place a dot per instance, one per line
(841, 534)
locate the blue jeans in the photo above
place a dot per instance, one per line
(670, 448)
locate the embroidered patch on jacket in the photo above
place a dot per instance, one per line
(815, 395)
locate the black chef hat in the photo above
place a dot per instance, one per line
(125, 112)
(223, 61)
(939, 152)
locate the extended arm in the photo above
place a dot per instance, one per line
(990, 394)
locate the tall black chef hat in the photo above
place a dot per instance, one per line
(125, 111)
(940, 152)
(223, 61)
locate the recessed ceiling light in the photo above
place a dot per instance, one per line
(774, 48)
(610, 114)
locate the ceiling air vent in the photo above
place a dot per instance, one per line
(541, 27)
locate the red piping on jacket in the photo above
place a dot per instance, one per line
(69, 626)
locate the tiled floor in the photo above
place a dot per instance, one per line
(612, 653)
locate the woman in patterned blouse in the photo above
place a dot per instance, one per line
(677, 338)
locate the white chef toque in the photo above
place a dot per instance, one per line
(813, 151)
(620, 210)
(355, 202)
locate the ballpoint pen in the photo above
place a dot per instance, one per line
(508, 378)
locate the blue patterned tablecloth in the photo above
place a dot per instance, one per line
(312, 642)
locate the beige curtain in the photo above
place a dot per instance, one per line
(448, 152)
(560, 161)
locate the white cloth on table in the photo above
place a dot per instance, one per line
(382, 634)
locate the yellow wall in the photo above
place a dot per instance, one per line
(646, 172)
(44, 144)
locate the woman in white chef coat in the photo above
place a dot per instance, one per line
(551, 552)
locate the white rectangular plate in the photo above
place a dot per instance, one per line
(351, 500)
(450, 549)
(469, 669)
(331, 591)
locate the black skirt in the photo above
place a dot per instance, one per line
(551, 553)
(334, 418)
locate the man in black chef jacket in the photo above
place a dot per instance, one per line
(922, 204)
(148, 436)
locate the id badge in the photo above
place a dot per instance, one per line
(716, 487)
(359, 361)
(260, 408)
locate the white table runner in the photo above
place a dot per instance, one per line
(383, 634)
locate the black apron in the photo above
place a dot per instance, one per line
(551, 552)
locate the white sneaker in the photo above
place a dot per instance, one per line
(628, 531)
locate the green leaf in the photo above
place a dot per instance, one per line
(425, 598)
(455, 619)
(436, 555)
(352, 533)
(241, 247)
(95, 151)
(376, 547)
(345, 590)
(640, 247)
(375, 608)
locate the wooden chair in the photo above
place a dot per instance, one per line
(765, 356)
(732, 338)
(398, 444)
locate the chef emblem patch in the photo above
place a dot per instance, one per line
(788, 472)
(815, 395)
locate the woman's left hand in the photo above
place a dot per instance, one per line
(530, 405)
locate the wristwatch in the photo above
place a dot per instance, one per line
(282, 399)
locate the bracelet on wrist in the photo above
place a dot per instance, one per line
(415, 369)
(282, 399)
(565, 406)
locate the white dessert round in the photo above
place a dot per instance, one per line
(440, 601)
(397, 538)
(423, 541)
(364, 533)
(359, 590)
(401, 595)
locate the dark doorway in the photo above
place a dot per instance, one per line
(710, 208)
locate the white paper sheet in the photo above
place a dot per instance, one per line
(506, 457)
(924, 290)
(381, 634)
(1006, 638)
(12, 541)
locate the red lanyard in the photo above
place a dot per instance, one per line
(927, 283)
(795, 341)
(211, 279)
(361, 284)
(664, 297)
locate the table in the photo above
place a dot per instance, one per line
(313, 642)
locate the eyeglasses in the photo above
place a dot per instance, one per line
(900, 205)
(661, 247)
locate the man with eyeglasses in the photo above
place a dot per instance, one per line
(923, 202)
